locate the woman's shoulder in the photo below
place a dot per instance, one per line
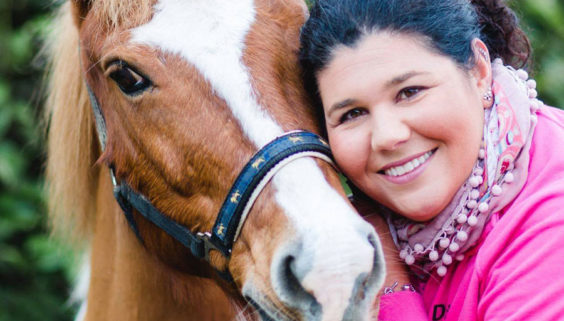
(536, 216)
(550, 125)
(543, 193)
(546, 155)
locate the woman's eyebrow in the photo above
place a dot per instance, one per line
(342, 104)
(403, 77)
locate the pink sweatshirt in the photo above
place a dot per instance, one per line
(516, 271)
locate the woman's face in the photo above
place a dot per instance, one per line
(404, 123)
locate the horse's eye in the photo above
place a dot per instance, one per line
(129, 80)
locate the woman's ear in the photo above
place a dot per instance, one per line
(482, 71)
(80, 9)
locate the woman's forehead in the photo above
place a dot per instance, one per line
(384, 58)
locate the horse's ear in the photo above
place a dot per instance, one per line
(80, 9)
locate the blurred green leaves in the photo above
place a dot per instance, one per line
(544, 23)
(34, 271)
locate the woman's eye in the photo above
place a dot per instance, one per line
(408, 93)
(351, 114)
(128, 80)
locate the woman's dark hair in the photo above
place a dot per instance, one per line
(449, 26)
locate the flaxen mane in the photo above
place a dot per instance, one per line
(72, 147)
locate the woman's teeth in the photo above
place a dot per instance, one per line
(409, 166)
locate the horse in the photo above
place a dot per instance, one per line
(184, 93)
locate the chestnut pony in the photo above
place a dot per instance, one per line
(189, 91)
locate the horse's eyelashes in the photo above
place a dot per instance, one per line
(128, 80)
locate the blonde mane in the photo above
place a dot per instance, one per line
(123, 13)
(72, 148)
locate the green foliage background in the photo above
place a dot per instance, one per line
(36, 271)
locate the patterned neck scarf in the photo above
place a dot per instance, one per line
(497, 177)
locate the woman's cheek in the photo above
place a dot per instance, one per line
(349, 152)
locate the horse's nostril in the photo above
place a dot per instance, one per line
(328, 277)
(289, 275)
(287, 278)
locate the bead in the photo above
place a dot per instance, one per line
(472, 220)
(472, 204)
(509, 178)
(403, 254)
(434, 255)
(474, 194)
(534, 119)
(462, 236)
(453, 247)
(535, 105)
(522, 74)
(531, 83)
(483, 207)
(496, 190)
(482, 154)
(447, 259)
(478, 171)
(444, 243)
(474, 181)
(533, 93)
(409, 260)
(461, 219)
(441, 270)
(460, 257)
(418, 248)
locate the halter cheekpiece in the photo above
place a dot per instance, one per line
(238, 202)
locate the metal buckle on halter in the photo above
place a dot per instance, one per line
(205, 237)
(208, 244)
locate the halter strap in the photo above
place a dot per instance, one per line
(254, 177)
(99, 117)
(238, 202)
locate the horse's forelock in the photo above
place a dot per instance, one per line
(123, 14)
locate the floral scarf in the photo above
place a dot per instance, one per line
(497, 177)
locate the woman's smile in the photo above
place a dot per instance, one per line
(404, 167)
(407, 171)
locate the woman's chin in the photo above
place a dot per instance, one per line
(420, 212)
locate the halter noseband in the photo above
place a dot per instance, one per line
(238, 202)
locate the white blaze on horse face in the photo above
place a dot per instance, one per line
(210, 34)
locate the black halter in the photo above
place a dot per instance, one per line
(238, 202)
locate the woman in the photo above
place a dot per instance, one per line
(462, 159)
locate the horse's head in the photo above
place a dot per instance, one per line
(189, 91)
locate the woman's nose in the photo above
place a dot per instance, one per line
(389, 130)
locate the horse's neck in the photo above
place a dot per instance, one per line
(128, 284)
